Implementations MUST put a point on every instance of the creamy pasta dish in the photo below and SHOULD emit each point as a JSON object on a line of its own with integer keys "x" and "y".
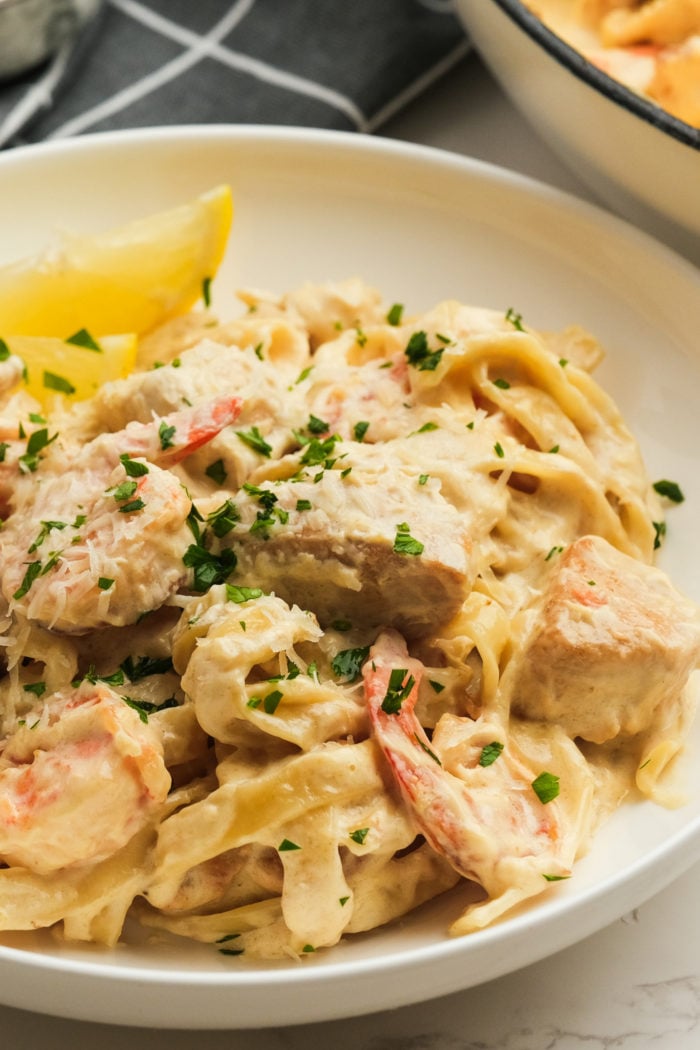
{"x": 651, "y": 46}
{"x": 320, "y": 612}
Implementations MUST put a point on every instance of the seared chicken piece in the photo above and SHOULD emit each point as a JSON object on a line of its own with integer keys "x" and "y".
{"x": 610, "y": 644}
{"x": 359, "y": 541}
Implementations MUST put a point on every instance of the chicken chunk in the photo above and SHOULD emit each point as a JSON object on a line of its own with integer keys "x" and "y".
{"x": 360, "y": 541}
{"x": 610, "y": 645}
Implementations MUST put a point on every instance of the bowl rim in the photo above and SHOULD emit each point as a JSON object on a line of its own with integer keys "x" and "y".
{"x": 575, "y": 62}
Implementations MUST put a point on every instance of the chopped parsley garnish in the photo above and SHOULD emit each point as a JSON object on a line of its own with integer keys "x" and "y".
{"x": 490, "y": 753}
{"x": 422, "y": 744}
{"x": 318, "y": 451}
{"x": 437, "y": 687}
{"x": 125, "y": 490}
{"x": 395, "y": 314}
{"x": 238, "y": 594}
{"x": 145, "y": 666}
{"x": 670, "y": 489}
{"x": 359, "y": 835}
{"x": 498, "y": 449}
{"x": 659, "y": 533}
{"x": 426, "y": 428}
{"x": 52, "y": 381}
{"x": 206, "y": 290}
{"x": 83, "y": 338}
{"x": 37, "y": 688}
{"x": 546, "y": 787}
{"x": 166, "y": 433}
{"x": 423, "y": 479}
{"x": 419, "y": 354}
{"x": 317, "y": 426}
{"x": 223, "y": 518}
{"x": 217, "y": 471}
{"x": 132, "y": 468}
{"x": 404, "y": 543}
{"x": 46, "y": 527}
{"x": 286, "y": 845}
{"x": 552, "y": 551}
{"x": 304, "y": 374}
{"x": 34, "y": 570}
{"x": 515, "y": 319}
{"x": 502, "y": 384}
{"x": 347, "y": 664}
{"x": 303, "y": 504}
{"x": 359, "y": 430}
{"x": 254, "y": 439}
{"x": 398, "y": 689}
{"x": 271, "y": 701}
{"x": 555, "y": 878}
{"x": 209, "y": 569}
{"x": 144, "y": 708}
{"x": 4, "y": 350}
{"x": 36, "y": 443}
{"x": 104, "y": 583}
{"x": 132, "y": 506}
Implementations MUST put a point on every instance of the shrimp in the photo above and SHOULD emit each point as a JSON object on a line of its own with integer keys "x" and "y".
{"x": 487, "y": 821}
{"x": 51, "y": 813}
{"x": 104, "y": 543}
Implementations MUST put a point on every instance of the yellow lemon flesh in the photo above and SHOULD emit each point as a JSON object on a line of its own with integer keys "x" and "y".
{"x": 127, "y": 280}
{"x": 72, "y": 369}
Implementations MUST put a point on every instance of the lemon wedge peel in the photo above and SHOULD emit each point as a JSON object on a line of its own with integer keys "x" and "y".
{"x": 72, "y": 371}
{"x": 127, "y": 280}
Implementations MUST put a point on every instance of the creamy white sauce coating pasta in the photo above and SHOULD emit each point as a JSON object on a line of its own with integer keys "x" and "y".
{"x": 321, "y": 612}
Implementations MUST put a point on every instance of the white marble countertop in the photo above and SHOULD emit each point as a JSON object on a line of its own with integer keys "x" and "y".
{"x": 634, "y": 985}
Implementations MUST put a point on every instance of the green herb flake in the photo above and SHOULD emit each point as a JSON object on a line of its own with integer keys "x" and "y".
{"x": 502, "y": 384}
{"x": 419, "y": 354}
{"x": 342, "y": 901}
{"x": 490, "y": 753}
{"x": 4, "y": 350}
{"x": 132, "y": 467}
{"x": 237, "y": 594}
{"x": 317, "y": 426}
{"x": 555, "y": 878}
{"x": 398, "y": 689}
{"x": 546, "y": 787}
{"x": 552, "y": 551}
{"x": 37, "y": 688}
{"x": 271, "y": 701}
{"x": 395, "y": 314}
{"x": 360, "y": 429}
{"x": 359, "y": 835}
{"x": 206, "y": 290}
{"x": 254, "y": 439}
{"x": 303, "y": 504}
{"x": 209, "y": 569}
{"x": 166, "y": 433}
{"x": 223, "y": 518}
{"x": 404, "y": 543}
{"x": 670, "y": 489}
{"x": 104, "y": 583}
{"x": 286, "y": 846}
{"x": 498, "y": 449}
{"x": 515, "y": 319}
{"x": 347, "y": 664}
{"x": 83, "y": 338}
{"x": 423, "y": 479}
{"x": 437, "y": 687}
{"x": 32, "y": 573}
{"x": 659, "y": 533}
{"x": 424, "y": 747}
{"x": 217, "y": 471}
{"x": 52, "y": 381}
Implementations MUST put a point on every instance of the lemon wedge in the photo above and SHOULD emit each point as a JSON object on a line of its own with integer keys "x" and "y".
{"x": 127, "y": 280}
{"x": 73, "y": 368}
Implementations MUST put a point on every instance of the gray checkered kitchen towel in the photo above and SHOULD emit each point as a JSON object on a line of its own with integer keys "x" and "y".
{"x": 344, "y": 64}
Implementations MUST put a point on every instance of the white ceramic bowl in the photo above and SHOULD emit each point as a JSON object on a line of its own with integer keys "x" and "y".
{"x": 641, "y": 161}
{"x": 421, "y": 225}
